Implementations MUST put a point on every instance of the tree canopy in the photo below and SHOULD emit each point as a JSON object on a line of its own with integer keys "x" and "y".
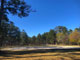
{"x": 15, "y": 7}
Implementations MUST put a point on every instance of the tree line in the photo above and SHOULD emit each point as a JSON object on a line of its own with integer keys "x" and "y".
{"x": 12, "y": 36}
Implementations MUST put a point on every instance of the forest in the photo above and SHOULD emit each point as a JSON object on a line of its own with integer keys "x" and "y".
{"x": 60, "y": 35}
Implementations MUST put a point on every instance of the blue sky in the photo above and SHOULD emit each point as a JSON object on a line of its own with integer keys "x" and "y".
{"x": 50, "y": 13}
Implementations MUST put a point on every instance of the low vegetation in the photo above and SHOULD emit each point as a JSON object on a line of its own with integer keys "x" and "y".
{"x": 41, "y": 55}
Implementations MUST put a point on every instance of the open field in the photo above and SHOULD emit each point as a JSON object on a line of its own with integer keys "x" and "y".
{"x": 41, "y": 54}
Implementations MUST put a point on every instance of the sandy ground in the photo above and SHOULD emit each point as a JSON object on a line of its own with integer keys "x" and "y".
{"x": 42, "y": 47}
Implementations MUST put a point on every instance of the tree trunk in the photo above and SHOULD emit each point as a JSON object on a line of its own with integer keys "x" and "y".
{"x": 1, "y": 18}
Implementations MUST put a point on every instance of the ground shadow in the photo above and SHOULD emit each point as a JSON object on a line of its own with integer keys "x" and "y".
{"x": 10, "y": 53}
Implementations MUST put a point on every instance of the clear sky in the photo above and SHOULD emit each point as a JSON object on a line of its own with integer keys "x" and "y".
{"x": 50, "y": 13}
